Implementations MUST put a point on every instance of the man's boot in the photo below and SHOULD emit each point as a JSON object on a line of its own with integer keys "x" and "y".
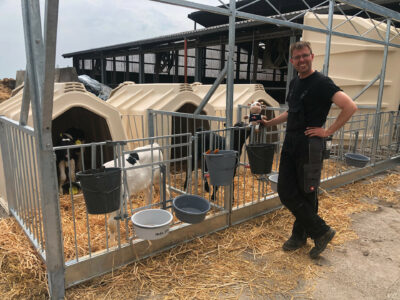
{"x": 294, "y": 243}
{"x": 321, "y": 243}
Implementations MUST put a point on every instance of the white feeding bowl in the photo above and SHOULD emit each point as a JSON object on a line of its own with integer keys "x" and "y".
{"x": 151, "y": 224}
{"x": 273, "y": 179}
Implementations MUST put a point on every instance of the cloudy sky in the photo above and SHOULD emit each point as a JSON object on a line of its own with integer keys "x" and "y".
{"x": 86, "y": 24}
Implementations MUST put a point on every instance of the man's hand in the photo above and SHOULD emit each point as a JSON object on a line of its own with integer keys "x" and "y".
{"x": 316, "y": 131}
{"x": 264, "y": 121}
{"x": 275, "y": 121}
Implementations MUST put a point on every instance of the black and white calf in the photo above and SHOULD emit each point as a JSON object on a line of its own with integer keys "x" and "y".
{"x": 70, "y": 137}
{"x": 212, "y": 141}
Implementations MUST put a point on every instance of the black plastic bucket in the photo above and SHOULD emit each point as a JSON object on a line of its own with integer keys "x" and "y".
{"x": 221, "y": 166}
{"x": 190, "y": 208}
{"x": 261, "y": 157}
{"x": 101, "y": 189}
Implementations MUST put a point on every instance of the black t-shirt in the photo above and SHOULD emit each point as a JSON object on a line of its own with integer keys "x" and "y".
{"x": 309, "y": 101}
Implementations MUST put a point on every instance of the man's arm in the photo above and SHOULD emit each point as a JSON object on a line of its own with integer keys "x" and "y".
{"x": 348, "y": 108}
{"x": 275, "y": 121}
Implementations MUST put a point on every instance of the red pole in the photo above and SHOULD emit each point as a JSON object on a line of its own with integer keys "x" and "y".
{"x": 185, "y": 60}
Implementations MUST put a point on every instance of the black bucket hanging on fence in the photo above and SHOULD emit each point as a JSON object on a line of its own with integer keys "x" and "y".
{"x": 221, "y": 166}
{"x": 101, "y": 189}
{"x": 261, "y": 157}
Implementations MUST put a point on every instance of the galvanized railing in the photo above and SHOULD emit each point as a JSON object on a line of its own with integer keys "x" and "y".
{"x": 90, "y": 249}
{"x": 21, "y": 180}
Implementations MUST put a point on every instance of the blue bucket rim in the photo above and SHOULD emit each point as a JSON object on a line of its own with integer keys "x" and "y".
{"x": 191, "y": 213}
{"x": 98, "y": 171}
{"x": 357, "y": 157}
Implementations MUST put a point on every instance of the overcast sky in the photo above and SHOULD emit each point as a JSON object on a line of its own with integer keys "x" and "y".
{"x": 87, "y": 24}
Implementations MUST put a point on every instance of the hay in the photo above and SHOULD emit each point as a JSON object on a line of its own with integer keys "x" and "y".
{"x": 242, "y": 261}
{"x": 22, "y": 273}
{"x": 5, "y": 90}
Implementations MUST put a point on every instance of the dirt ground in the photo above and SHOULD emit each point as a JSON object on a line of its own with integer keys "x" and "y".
{"x": 368, "y": 267}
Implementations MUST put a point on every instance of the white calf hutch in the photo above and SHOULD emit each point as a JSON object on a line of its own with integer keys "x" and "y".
{"x": 243, "y": 94}
{"x": 354, "y": 64}
{"x": 133, "y": 100}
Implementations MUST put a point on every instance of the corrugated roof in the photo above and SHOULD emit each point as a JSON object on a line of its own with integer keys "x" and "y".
{"x": 175, "y": 37}
{"x": 164, "y": 39}
{"x": 287, "y": 8}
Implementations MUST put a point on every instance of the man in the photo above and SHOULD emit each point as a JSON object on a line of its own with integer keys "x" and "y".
{"x": 310, "y": 98}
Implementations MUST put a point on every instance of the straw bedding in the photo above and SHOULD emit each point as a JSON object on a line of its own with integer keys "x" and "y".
{"x": 5, "y": 90}
{"x": 243, "y": 261}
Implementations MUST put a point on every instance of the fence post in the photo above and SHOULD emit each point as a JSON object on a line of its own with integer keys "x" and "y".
{"x": 40, "y": 58}
{"x": 150, "y": 123}
{"x": 380, "y": 92}
{"x": 228, "y": 194}
{"x": 325, "y": 70}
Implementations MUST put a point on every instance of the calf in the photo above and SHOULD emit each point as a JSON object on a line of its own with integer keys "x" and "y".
{"x": 212, "y": 141}
{"x": 70, "y": 137}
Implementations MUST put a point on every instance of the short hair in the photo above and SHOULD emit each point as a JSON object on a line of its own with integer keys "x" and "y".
{"x": 300, "y": 45}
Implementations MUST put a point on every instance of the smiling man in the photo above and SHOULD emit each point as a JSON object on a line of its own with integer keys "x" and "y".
{"x": 310, "y": 97}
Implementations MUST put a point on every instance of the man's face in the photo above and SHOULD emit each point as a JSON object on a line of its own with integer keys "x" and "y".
{"x": 302, "y": 61}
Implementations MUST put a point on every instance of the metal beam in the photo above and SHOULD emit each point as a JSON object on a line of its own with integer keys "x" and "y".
{"x": 366, "y": 87}
{"x": 34, "y": 57}
{"x": 255, "y": 61}
{"x": 200, "y": 54}
{"x": 237, "y": 63}
{"x": 103, "y": 69}
{"x": 272, "y": 20}
{"x": 211, "y": 91}
{"x": 126, "y": 67}
{"x": 141, "y": 68}
{"x": 383, "y": 70}
{"x": 325, "y": 70}
{"x": 50, "y": 42}
{"x": 26, "y": 98}
{"x": 40, "y": 68}
{"x": 198, "y": 6}
{"x": 291, "y": 70}
{"x": 374, "y": 8}
{"x": 176, "y": 66}
{"x": 380, "y": 92}
{"x": 310, "y": 28}
{"x": 230, "y": 67}
{"x": 230, "y": 76}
